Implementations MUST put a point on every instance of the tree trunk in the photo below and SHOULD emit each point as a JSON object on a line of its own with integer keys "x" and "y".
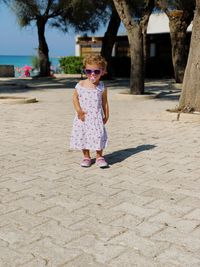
{"x": 144, "y": 24}
{"x": 190, "y": 96}
{"x": 109, "y": 40}
{"x": 137, "y": 61}
{"x": 134, "y": 32}
{"x": 43, "y": 50}
{"x": 145, "y": 46}
{"x": 178, "y": 23}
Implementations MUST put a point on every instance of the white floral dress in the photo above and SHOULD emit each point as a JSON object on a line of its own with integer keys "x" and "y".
{"x": 91, "y": 133}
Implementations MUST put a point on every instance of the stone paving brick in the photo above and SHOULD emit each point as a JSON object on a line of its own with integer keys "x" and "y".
{"x": 100, "y": 213}
{"x": 57, "y": 232}
{"x": 196, "y": 230}
{"x": 178, "y": 256}
{"x": 178, "y": 238}
{"x": 15, "y": 237}
{"x": 193, "y": 215}
{"x": 10, "y": 257}
{"x": 145, "y": 246}
{"x": 126, "y": 221}
{"x": 164, "y": 218}
{"x": 162, "y": 194}
{"x": 37, "y": 262}
{"x": 140, "y": 212}
{"x": 61, "y": 215}
{"x": 174, "y": 209}
{"x": 30, "y": 205}
{"x": 101, "y": 251}
{"x": 83, "y": 261}
{"x": 53, "y": 254}
{"x": 100, "y": 230}
{"x": 133, "y": 258}
{"x": 66, "y": 202}
{"x": 147, "y": 229}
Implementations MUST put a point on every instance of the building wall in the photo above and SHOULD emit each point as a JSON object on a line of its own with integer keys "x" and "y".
{"x": 88, "y": 44}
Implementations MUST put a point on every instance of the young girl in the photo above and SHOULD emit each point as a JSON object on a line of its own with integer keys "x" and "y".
{"x": 92, "y": 112}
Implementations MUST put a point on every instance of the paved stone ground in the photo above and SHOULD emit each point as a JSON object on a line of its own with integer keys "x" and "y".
{"x": 142, "y": 211}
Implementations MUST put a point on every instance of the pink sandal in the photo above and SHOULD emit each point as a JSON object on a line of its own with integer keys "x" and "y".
{"x": 101, "y": 162}
{"x": 86, "y": 162}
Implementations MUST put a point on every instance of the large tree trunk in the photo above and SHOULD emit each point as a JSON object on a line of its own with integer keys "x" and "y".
{"x": 43, "y": 50}
{"x": 134, "y": 32}
{"x": 190, "y": 96}
{"x": 178, "y": 23}
{"x": 144, "y": 24}
{"x": 137, "y": 60}
{"x": 145, "y": 44}
{"x": 109, "y": 40}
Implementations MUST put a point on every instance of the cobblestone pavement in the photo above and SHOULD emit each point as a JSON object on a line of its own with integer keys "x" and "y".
{"x": 142, "y": 211}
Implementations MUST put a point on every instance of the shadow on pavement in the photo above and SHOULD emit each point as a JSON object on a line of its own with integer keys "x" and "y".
{"x": 25, "y": 85}
{"x": 16, "y": 85}
{"x": 171, "y": 95}
{"x": 123, "y": 154}
{"x": 162, "y": 89}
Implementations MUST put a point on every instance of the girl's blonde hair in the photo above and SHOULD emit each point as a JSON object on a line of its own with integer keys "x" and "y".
{"x": 95, "y": 59}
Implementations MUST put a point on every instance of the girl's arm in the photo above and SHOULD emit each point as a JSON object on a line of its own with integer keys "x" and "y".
{"x": 105, "y": 106}
{"x": 77, "y": 107}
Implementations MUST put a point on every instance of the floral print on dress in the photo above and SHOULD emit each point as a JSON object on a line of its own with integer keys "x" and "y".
{"x": 91, "y": 133}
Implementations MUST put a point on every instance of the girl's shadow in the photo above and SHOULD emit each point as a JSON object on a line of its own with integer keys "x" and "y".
{"x": 123, "y": 154}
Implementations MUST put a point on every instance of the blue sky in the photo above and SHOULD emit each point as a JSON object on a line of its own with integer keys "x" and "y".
{"x": 17, "y": 41}
{"x": 23, "y": 41}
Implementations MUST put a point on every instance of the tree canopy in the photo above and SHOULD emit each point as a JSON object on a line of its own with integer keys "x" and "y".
{"x": 82, "y": 15}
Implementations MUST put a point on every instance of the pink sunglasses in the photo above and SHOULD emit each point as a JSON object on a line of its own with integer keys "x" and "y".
{"x": 90, "y": 71}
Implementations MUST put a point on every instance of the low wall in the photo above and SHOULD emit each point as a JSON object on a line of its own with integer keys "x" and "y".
{"x": 7, "y": 71}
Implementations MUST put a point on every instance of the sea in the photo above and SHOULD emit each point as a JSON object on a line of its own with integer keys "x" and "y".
{"x": 20, "y": 61}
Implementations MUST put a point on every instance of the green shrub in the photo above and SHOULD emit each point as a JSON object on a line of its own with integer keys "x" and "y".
{"x": 71, "y": 65}
{"x": 35, "y": 62}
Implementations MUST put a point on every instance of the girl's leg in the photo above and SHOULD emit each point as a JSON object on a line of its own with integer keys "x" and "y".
{"x": 99, "y": 153}
{"x": 86, "y": 153}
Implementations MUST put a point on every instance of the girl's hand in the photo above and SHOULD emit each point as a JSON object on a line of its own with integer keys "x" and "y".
{"x": 81, "y": 115}
{"x": 105, "y": 119}
{"x": 105, "y": 106}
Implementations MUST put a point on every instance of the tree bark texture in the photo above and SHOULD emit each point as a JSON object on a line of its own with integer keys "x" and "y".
{"x": 178, "y": 22}
{"x": 43, "y": 50}
{"x": 137, "y": 61}
{"x": 109, "y": 40}
{"x": 144, "y": 24}
{"x": 190, "y": 96}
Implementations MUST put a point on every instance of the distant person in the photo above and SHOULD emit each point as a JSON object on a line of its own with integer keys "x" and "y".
{"x": 92, "y": 112}
{"x": 27, "y": 73}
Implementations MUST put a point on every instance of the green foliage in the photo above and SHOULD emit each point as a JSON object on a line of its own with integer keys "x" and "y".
{"x": 71, "y": 65}
{"x": 87, "y": 15}
{"x": 82, "y": 15}
{"x": 35, "y": 62}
